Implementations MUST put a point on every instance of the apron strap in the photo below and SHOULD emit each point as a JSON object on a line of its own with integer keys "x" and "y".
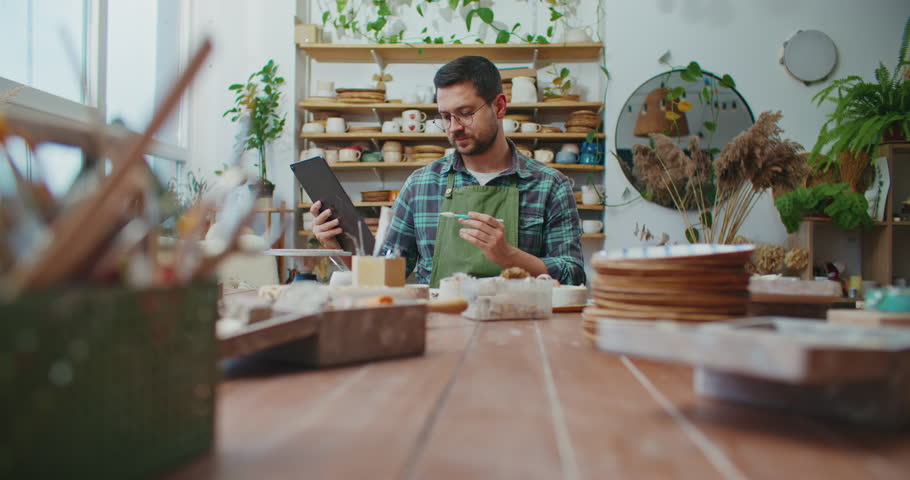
{"x": 451, "y": 184}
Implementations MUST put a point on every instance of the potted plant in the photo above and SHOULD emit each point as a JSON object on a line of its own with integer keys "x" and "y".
{"x": 865, "y": 113}
{"x": 845, "y": 208}
{"x": 560, "y": 85}
{"x": 256, "y": 107}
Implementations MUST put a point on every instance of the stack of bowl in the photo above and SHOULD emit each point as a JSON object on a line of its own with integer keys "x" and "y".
{"x": 581, "y": 121}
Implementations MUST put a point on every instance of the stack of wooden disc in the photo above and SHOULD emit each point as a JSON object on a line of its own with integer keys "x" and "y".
{"x": 427, "y": 153}
{"x": 549, "y": 129}
{"x": 364, "y": 129}
{"x": 688, "y": 283}
{"x": 375, "y": 196}
{"x": 581, "y": 121}
{"x": 360, "y": 95}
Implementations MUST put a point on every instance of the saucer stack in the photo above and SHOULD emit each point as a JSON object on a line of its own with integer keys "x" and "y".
{"x": 360, "y": 95}
{"x": 581, "y": 121}
{"x": 687, "y": 283}
{"x": 427, "y": 153}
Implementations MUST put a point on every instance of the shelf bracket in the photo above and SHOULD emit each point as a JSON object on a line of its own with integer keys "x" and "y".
{"x": 378, "y": 116}
{"x": 378, "y": 59}
{"x": 534, "y": 58}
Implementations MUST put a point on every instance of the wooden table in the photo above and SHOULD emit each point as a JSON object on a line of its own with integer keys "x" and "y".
{"x": 524, "y": 400}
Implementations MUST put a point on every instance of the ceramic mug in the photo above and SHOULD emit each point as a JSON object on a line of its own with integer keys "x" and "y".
{"x": 434, "y": 126}
{"x": 349, "y": 155}
{"x": 566, "y": 157}
{"x": 424, "y": 94}
{"x": 570, "y": 147}
{"x": 509, "y": 125}
{"x": 526, "y": 153}
{"x": 530, "y": 127}
{"x": 543, "y": 155}
{"x": 592, "y": 226}
{"x": 313, "y": 152}
{"x": 391, "y": 146}
{"x": 391, "y": 157}
{"x": 579, "y": 35}
{"x": 413, "y": 115}
{"x": 412, "y": 126}
{"x": 372, "y": 157}
{"x": 589, "y": 158}
{"x": 331, "y": 156}
{"x": 335, "y": 125}
{"x": 591, "y": 195}
{"x": 313, "y": 127}
{"x": 391, "y": 127}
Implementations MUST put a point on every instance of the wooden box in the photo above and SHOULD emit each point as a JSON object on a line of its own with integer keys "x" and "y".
{"x": 378, "y": 271}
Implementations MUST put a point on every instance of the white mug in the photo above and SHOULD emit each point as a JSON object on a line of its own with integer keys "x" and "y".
{"x": 391, "y": 127}
{"x": 313, "y": 152}
{"x": 424, "y": 94}
{"x": 391, "y": 146}
{"x": 509, "y": 125}
{"x": 530, "y": 127}
{"x": 312, "y": 127}
{"x": 591, "y": 195}
{"x": 592, "y": 226}
{"x": 391, "y": 157}
{"x": 579, "y": 35}
{"x": 412, "y": 126}
{"x": 349, "y": 155}
{"x": 413, "y": 115}
{"x": 434, "y": 126}
{"x": 335, "y": 125}
{"x": 331, "y": 156}
{"x": 543, "y": 155}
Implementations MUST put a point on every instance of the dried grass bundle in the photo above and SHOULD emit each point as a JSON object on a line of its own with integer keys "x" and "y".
{"x": 755, "y": 160}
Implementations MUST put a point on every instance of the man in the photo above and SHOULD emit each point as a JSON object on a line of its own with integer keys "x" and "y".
{"x": 521, "y": 212}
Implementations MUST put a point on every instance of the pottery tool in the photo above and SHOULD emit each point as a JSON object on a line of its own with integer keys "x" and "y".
{"x": 463, "y": 216}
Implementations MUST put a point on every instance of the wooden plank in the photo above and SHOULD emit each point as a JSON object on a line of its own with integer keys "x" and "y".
{"x": 367, "y": 108}
{"x": 437, "y": 53}
{"x": 764, "y": 444}
{"x": 435, "y": 137}
{"x": 616, "y": 429}
{"x": 495, "y": 422}
{"x": 357, "y": 422}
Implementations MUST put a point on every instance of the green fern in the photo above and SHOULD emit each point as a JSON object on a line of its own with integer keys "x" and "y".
{"x": 863, "y": 111}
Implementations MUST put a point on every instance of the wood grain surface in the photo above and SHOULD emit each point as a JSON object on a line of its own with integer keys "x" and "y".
{"x": 517, "y": 399}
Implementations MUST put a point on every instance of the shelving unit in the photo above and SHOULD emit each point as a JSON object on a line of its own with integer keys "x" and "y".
{"x": 382, "y": 55}
{"x": 584, "y": 236}
{"x": 882, "y": 257}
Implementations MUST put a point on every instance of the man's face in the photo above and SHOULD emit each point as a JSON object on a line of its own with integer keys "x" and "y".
{"x": 460, "y": 100}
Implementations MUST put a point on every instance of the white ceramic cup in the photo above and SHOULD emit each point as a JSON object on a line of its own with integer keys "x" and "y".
{"x": 325, "y": 85}
{"x": 349, "y": 155}
{"x": 592, "y": 226}
{"x": 424, "y": 94}
{"x": 590, "y": 195}
{"x": 331, "y": 156}
{"x": 434, "y": 126}
{"x": 392, "y": 157}
{"x": 579, "y": 35}
{"x": 413, "y": 115}
{"x": 391, "y": 146}
{"x": 570, "y": 147}
{"x": 412, "y": 126}
{"x": 543, "y": 155}
{"x": 391, "y": 127}
{"x": 530, "y": 127}
{"x": 335, "y": 125}
{"x": 312, "y": 127}
{"x": 313, "y": 152}
{"x": 509, "y": 125}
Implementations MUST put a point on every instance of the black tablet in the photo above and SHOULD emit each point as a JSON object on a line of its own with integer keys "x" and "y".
{"x": 321, "y": 184}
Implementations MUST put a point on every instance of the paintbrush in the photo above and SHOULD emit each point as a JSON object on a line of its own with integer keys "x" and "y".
{"x": 461, "y": 215}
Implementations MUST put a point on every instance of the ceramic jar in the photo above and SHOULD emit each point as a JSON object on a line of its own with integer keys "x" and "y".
{"x": 523, "y": 90}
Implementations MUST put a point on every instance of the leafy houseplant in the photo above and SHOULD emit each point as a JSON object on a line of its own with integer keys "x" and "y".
{"x": 256, "y": 105}
{"x": 847, "y": 209}
{"x": 560, "y": 85}
{"x": 864, "y": 111}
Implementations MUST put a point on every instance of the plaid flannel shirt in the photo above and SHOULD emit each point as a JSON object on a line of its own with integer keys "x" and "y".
{"x": 549, "y": 226}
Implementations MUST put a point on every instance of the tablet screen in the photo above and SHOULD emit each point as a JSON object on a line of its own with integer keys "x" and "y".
{"x": 321, "y": 184}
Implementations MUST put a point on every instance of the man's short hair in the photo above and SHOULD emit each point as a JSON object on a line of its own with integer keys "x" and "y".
{"x": 471, "y": 68}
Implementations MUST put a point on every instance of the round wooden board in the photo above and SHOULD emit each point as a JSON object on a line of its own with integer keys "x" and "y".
{"x": 724, "y": 282}
{"x": 684, "y": 317}
{"x": 358, "y": 100}
{"x": 650, "y": 271}
{"x": 362, "y": 90}
{"x": 672, "y": 299}
{"x": 638, "y": 307}
{"x": 679, "y": 289}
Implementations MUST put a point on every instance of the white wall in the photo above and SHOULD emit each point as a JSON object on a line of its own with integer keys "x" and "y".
{"x": 740, "y": 37}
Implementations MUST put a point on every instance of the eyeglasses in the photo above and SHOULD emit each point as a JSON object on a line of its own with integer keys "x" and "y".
{"x": 465, "y": 119}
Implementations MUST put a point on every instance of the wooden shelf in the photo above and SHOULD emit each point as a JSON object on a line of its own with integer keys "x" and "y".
{"x": 435, "y": 137}
{"x": 427, "y": 53}
{"x": 590, "y": 207}
{"x": 364, "y": 108}
{"x": 901, "y": 224}
{"x": 356, "y": 204}
{"x": 416, "y": 165}
{"x": 828, "y": 220}
{"x": 584, "y": 236}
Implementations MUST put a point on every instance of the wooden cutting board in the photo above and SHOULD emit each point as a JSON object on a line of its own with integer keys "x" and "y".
{"x": 857, "y": 374}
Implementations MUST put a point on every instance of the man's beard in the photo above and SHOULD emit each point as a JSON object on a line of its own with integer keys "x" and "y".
{"x": 481, "y": 143}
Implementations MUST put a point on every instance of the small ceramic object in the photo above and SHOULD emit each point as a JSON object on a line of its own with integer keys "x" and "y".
{"x": 331, "y": 156}
{"x": 530, "y": 127}
{"x": 371, "y": 157}
{"x": 579, "y": 35}
{"x": 325, "y": 85}
{"x": 335, "y": 125}
{"x": 544, "y": 156}
{"x": 434, "y": 126}
{"x": 424, "y": 94}
{"x": 391, "y": 146}
{"x": 412, "y": 126}
{"x": 566, "y": 157}
{"x": 313, "y": 127}
{"x": 410, "y": 98}
{"x": 392, "y": 157}
{"x": 509, "y": 125}
{"x": 349, "y": 155}
{"x": 523, "y": 90}
{"x": 589, "y": 158}
{"x": 592, "y": 226}
{"x": 413, "y": 115}
{"x": 391, "y": 127}
{"x": 591, "y": 194}
{"x": 570, "y": 147}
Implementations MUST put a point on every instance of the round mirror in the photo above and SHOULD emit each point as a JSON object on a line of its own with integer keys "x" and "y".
{"x": 646, "y": 112}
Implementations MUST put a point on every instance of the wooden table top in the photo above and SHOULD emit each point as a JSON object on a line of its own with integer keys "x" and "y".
{"x": 524, "y": 400}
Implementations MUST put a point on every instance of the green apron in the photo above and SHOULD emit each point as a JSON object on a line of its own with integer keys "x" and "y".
{"x": 454, "y": 254}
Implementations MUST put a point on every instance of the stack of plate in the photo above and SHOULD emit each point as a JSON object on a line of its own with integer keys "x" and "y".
{"x": 689, "y": 283}
{"x": 427, "y": 153}
{"x": 364, "y": 129}
{"x": 375, "y": 196}
{"x": 360, "y": 95}
{"x": 580, "y": 121}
